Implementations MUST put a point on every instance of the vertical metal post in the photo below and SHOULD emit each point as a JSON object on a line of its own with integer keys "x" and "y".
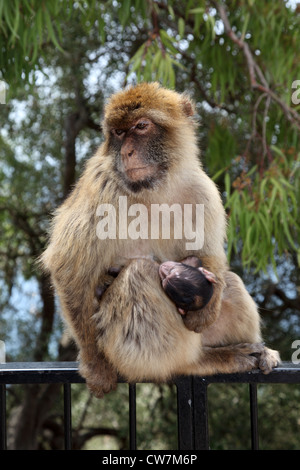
{"x": 67, "y": 416}
{"x": 254, "y": 416}
{"x": 2, "y": 417}
{"x": 132, "y": 416}
{"x": 185, "y": 406}
{"x": 200, "y": 413}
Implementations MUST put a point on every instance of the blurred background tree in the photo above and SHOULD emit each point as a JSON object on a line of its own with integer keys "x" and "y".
{"x": 60, "y": 60}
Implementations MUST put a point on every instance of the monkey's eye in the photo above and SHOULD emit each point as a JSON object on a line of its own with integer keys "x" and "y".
{"x": 141, "y": 125}
{"x": 119, "y": 132}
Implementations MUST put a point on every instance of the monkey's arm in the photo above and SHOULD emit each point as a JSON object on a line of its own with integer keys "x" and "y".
{"x": 74, "y": 268}
{"x": 212, "y": 254}
{"x": 78, "y": 306}
{"x": 200, "y": 319}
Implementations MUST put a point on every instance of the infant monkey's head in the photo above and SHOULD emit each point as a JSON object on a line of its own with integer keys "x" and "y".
{"x": 189, "y": 287}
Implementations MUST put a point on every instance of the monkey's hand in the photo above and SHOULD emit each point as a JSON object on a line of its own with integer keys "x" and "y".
{"x": 100, "y": 376}
{"x": 106, "y": 280}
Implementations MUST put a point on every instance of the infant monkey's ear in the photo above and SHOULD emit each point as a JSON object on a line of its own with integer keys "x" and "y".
{"x": 189, "y": 287}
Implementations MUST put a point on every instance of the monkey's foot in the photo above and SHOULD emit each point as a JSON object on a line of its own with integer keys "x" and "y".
{"x": 264, "y": 358}
{"x": 230, "y": 359}
{"x": 100, "y": 377}
{"x": 268, "y": 359}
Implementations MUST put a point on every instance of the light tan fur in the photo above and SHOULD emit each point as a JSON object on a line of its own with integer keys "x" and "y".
{"x": 78, "y": 261}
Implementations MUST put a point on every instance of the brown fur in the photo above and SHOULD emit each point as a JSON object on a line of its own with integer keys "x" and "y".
{"x": 138, "y": 331}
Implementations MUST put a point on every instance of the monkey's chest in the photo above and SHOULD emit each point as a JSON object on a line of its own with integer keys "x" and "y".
{"x": 159, "y": 250}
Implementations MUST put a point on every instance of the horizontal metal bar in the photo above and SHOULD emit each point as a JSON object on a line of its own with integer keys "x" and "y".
{"x": 39, "y": 372}
{"x": 67, "y": 372}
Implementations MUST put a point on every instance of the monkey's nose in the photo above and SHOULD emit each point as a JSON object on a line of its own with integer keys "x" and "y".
{"x": 130, "y": 153}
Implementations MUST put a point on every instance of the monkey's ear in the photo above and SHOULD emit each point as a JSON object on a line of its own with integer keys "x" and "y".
{"x": 188, "y": 106}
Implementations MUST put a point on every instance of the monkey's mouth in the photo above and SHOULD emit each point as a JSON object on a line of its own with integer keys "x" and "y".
{"x": 139, "y": 173}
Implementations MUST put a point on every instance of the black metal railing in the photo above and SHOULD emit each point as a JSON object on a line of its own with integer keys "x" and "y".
{"x": 192, "y": 398}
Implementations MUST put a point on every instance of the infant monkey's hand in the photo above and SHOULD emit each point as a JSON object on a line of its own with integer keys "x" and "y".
{"x": 189, "y": 287}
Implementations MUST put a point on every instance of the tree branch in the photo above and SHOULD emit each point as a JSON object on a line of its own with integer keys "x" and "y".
{"x": 254, "y": 70}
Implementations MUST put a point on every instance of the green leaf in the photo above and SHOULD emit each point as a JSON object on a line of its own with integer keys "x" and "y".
{"x": 181, "y": 27}
{"x": 195, "y": 11}
{"x": 171, "y": 12}
{"x": 245, "y": 26}
{"x": 17, "y": 20}
{"x": 124, "y": 12}
{"x": 298, "y": 257}
{"x": 227, "y": 184}
{"x": 211, "y": 22}
{"x": 216, "y": 176}
{"x": 51, "y": 31}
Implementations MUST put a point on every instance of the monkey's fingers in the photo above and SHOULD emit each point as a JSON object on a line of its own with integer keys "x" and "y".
{"x": 114, "y": 271}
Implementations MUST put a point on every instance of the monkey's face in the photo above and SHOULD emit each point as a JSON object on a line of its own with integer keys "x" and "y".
{"x": 144, "y": 129}
{"x": 138, "y": 148}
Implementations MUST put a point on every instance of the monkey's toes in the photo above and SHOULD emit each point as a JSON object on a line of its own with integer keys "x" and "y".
{"x": 99, "y": 390}
{"x": 268, "y": 359}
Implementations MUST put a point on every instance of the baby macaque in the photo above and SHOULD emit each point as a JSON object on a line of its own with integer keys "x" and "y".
{"x": 189, "y": 287}
{"x": 186, "y": 283}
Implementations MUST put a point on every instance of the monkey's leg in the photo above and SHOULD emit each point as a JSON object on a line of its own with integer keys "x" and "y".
{"x": 228, "y": 359}
{"x": 238, "y": 322}
{"x": 100, "y": 376}
{"x": 235, "y": 358}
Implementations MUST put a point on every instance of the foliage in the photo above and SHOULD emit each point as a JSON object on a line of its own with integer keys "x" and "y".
{"x": 278, "y": 419}
{"x": 227, "y": 56}
{"x": 264, "y": 210}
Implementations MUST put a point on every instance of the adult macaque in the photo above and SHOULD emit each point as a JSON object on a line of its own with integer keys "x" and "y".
{"x": 150, "y": 157}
